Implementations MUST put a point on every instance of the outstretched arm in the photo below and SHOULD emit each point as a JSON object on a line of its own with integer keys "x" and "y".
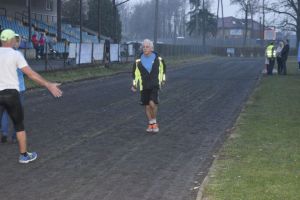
{"x": 52, "y": 87}
{"x": 134, "y": 86}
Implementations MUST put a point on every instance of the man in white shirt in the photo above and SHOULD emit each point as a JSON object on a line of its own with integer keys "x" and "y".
{"x": 9, "y": 89}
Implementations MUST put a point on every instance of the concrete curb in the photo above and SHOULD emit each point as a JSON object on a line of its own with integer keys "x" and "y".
{"x": 201, "y": 189}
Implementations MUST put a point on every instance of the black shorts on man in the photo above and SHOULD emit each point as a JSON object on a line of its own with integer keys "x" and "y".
{"x": 10, "y": 101}
{"x": 148, "y": 95}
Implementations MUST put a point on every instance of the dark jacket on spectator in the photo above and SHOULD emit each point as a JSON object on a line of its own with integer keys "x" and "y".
{"x": 285, "y": 52}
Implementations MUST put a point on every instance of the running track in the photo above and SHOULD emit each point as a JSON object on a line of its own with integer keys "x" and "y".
{"x": 92, "y": 143}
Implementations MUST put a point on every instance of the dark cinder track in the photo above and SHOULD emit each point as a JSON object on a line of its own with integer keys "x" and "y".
{"x": 92, "y": 143}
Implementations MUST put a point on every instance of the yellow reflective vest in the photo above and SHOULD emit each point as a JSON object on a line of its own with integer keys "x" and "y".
{"x": 270, "y": 51}
{"x": 154, "y": 78}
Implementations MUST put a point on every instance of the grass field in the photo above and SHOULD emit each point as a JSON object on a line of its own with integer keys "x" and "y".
{"x": 82, "y": 73}
{"x": 261, "y": 158}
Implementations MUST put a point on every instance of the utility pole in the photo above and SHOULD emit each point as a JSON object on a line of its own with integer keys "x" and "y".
{"x": 263, "y": 26}
{"x": 29, "y": 19}
{"x": 99, "y": 20}
{"x": 218, "y": 8}
{"x": 115, "y": 21}
{"x": 156, "y": 23}
{"x": 203, "y": 24}
{"x": 175, "y": 27}
{"x": 80, "y": 19}
{"x": 246, "y": 23}
{"x": 223, "y": 23}
{"x": 80, "y": 22}
{"x": 220, "y": 4}
{"x": 58, "y": 20}
{"x": 260, "y": 29}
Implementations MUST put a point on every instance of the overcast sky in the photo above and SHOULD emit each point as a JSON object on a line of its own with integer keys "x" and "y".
{"x": 229, "y": 10}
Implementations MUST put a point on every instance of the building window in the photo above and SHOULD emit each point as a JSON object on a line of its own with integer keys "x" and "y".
{"x": 49, "y": 5}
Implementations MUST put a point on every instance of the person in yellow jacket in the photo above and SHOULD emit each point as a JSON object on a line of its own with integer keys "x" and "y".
{"x": 270, "y": 56}
{"x": 149, "y": 74}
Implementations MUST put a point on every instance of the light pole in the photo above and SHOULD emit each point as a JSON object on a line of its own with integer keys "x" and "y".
{"x": 263, "y": 23}
{"x": 260, "y": 29}
{"x": 115, "y": 21}
{"x": 80, "y": 25}
{"x": 220, "y": 4}
{"x": 80, "y": 19}
{"x": 99, "y": 20}
{"x": 203, "y": 24}
{"x": 58, "y": 20}
{"x": 29, "y": 19}
{"x": 155, "y": 23}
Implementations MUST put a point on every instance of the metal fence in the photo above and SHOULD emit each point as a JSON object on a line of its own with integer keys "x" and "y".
{"x": 181, "y": 50}
{"x": 64, "y": 56}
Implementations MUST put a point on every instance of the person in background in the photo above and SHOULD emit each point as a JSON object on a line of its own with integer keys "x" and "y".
{"x": 278, "y": 57}
{"x": 22, "y": 43}
{"x": 149, "y": 71}
{"x": 284, "y": 55}
{"x": 51, "y": 42}
{"x": 42, "y": 42}
{"x": 5, "y": 117}
{"x": 35, "y": 42}
{"x": 11, "y": 60}
{"x": 270, "y": 55}
{"x": 106, "y": 59}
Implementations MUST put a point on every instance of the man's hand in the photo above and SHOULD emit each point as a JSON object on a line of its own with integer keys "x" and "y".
{"x": 133, "y": 88}
{"x": 54, "y": 89}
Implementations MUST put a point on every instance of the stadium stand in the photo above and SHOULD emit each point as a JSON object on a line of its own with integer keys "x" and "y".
{"x": 69, "y": 33}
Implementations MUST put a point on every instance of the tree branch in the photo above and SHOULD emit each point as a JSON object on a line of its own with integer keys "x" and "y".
{"x": 281, "y": 12}
{"x": 293, "y": 5}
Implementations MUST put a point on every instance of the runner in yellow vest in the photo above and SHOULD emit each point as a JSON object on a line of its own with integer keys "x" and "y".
{"x": 271, "y": 56}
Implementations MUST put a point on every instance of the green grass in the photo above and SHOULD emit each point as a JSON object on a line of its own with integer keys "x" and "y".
{"x": 261, "y": 158}
{"x": 82, "y": 73}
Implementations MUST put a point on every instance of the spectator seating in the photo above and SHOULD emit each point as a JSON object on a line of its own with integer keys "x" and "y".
{"x": 18, "y": 27}
{"x": 69, "y": 33}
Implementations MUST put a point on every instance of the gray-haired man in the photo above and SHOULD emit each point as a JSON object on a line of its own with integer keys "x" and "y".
{"x": 149, "y": 73}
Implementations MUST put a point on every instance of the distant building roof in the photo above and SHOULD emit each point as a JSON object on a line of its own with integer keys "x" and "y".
{"x": 235, "y": 23}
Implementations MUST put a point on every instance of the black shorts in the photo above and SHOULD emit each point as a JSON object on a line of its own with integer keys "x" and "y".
{"x": 10, "y": 101}
{"x": 148, "y": 95}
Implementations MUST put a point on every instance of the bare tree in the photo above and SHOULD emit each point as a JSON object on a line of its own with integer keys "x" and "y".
{"x": 290, "y": 15}
{"x": 254, "y": 9}
{"x": 245, "y": 7}
{"x": 249, "y": 7}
